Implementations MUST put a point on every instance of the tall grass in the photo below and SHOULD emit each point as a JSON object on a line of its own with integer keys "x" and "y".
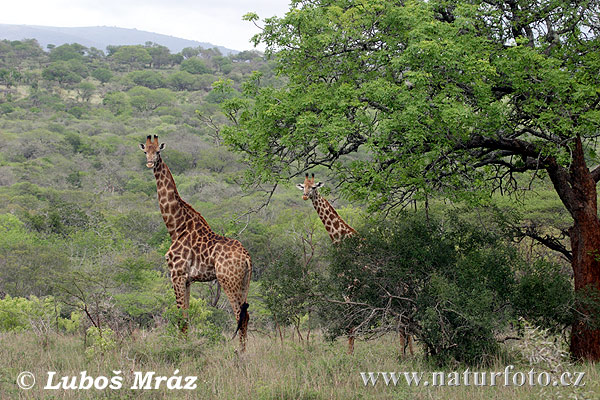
{"x": 268, "y": 370}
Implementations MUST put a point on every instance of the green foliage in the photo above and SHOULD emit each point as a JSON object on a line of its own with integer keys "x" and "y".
{"x": 143, "y": 99}
{"x": 453, "y": 285}
{"x": 146, "y": 78}
{"x": 18, "y": 313}
{"x": 544, "y": 295}
{"x": 182, "y": 80}
{"x": 101, "y": 340}
{"x": 178, "y": 161}
{"x": 287, "y": 287}
{"x": 198, "y": 320}
{"x": 417, "y": 102}
{"x": 132, "y": 56}
{"x": 85, "y": 90}
{"x": 194, "y": 66}
{"x": 62, "y": 72}
{"x": 67, "y": 52}
{"x": 102, "y": 74}
{"x": 72, "y": 324}
{"x": 146, "y": 291}
{"x": 117, "y": 102}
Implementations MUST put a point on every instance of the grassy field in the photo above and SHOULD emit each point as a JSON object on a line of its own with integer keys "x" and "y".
{"x": 268, "y": 370}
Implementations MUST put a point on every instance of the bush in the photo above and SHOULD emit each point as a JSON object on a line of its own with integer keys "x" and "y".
{"x": 19, "y": 313}
{"x": 453, "y": 285}
{"x": 100, "y": 340}
{"x": 199, "y": 314}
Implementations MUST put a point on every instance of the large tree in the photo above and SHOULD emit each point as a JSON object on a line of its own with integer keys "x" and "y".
{"x": 402, "y": 98}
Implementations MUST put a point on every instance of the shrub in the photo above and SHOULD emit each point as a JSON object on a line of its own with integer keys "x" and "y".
{"x": 100, "y": 340}
{"x": 198, "y": 319}
{"x": 19, "y": 313}
{"x": 453, "y": 285}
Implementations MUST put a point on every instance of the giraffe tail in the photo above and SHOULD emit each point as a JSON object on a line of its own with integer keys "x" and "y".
{"x": 242, "y": 318}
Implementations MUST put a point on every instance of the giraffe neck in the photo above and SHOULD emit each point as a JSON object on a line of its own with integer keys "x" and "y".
{"x": 336, "y": 227}
{"x": 174, "y": 210}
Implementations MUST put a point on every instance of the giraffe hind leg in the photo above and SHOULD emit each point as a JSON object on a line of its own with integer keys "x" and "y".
{"x": 236, "y": 290}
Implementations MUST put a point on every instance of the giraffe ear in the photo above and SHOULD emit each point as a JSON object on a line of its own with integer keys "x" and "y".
{"x": 142, "y": 146}
{"x": 318, "y": 184}
{"x": 300, "y": 186}
{"x": 162, "y": 146}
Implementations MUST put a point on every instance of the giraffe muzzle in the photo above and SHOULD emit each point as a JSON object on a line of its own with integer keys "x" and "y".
{"x": 150, "y": 164}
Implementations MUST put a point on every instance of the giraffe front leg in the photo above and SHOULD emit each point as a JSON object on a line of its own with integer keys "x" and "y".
{"x": 181, "y": 286}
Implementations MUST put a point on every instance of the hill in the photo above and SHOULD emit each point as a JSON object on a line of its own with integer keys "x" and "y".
{"x": 99, "y": 37}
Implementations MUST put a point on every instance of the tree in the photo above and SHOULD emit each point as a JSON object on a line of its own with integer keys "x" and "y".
{"x": 189, "y": 52}
{"x": 61, "y": 72}
{"x": 102, "y": 74}
{"x": 160, "y": 54}
{"x": 117, "y": 103}
{"x": 86, "y": 90}
{"x": 9, "y": 77}
{"x": 133, "y": 56}
{"x": 194, "y": 66}
{"x": 459, "y": 97}
{"x": 149, "y": 79}
{"x": 144, "y": 99}
{"x": 181, "y": 80}
{"x": 67, "y": 52}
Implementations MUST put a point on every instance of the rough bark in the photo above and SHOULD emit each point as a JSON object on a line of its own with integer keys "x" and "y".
{"x": 585, "y": 247}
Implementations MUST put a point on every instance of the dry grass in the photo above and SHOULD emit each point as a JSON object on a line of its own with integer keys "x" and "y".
{"x": 269, "y": 370}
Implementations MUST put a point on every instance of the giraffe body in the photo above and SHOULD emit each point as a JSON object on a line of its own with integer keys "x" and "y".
{"x": 197, "y": 254}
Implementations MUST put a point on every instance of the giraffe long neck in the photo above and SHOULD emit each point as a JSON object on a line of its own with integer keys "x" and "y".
{"x": 174, "y": 210}
{"x": 336, "y": 227}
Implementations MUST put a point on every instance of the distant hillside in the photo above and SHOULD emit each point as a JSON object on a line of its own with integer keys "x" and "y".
{"x": 99, "y": 37}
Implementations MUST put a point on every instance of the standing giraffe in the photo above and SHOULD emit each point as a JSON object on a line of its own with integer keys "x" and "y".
{"x": 338, "y": 230}
{"x": 197, "y": 254}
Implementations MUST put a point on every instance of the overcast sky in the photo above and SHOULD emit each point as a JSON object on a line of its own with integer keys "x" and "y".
{"x": 216, "y": 21}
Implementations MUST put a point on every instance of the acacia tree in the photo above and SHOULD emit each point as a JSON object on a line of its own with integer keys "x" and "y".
{"x": 404, "y": 98}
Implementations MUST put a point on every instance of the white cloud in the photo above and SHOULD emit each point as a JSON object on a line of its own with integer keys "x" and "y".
{"x": 218, "y": 22}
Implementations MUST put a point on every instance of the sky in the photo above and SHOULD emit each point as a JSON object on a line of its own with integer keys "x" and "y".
{"x": 218, "y": 22}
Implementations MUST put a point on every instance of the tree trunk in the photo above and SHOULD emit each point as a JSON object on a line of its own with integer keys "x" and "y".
{"x": 585, "y": 244}
{"x": 576, "y": 188}
{"x": 585, "y": 247}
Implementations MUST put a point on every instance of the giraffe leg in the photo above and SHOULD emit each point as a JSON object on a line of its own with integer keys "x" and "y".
{"x": 409, "y": 339}
{"x": 181, "y": 286}
{"x": 236, "y": 296}
{"x": 351, "y": 341}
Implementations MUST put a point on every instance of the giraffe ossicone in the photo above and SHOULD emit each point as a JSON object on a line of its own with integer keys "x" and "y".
{"x": 197, "y": 254}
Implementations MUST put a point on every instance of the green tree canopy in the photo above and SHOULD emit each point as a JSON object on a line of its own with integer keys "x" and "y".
{"x": 67, "y": 52}
{"x": 194, "y": 66}
{"x": 133, "y": 56}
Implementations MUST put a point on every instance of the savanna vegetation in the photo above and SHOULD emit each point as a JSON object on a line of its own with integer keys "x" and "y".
{"x": 451, "y": 136}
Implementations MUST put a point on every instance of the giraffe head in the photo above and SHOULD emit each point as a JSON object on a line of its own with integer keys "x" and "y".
{"x": 152, "y": 150}
{"x": 309, "y": 187}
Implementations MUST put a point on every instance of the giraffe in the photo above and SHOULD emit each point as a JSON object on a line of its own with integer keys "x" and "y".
{"x": 336, "y": 227}
{"x": 338, "y": 230}
{"x": 197, "y": 254}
